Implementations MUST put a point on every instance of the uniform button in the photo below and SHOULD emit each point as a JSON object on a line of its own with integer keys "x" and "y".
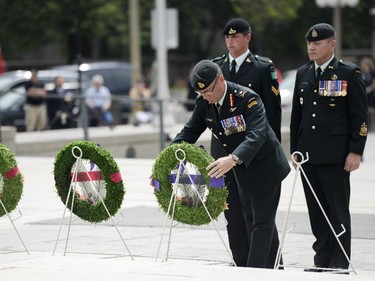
{"x": 220, "y": 133}
{"x": 224, "y": 144}
{"x": 313, "y": 127}
{"x": 314, "y": 103}
{"x": 301, "y": 90}
{"x": 315, "y": 90}
{"x": 313, "y": 115}
{"x": 249, "y": 85}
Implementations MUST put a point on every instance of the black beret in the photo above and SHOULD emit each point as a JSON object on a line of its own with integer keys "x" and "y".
{"x": 320, "y": 31}
{"x": 235, "y": 26}
{"x": 204, "y": 73}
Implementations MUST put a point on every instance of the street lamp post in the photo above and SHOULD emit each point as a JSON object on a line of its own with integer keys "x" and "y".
{"x": 336, "y": 5}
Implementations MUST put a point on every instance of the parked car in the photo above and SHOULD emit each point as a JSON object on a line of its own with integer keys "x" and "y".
{"x": 287, "y": 87}
{"x": 117, "y": 78}
{"x": 13, "y": 93}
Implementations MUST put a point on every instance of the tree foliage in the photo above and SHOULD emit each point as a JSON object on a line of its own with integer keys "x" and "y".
{"x": 99, "y": 29}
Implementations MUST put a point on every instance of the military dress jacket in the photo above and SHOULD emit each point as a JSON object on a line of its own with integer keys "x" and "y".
{"x": 241, "y": 128}
{"x": 258, "y": 74}
{"x": 329, "y": 116}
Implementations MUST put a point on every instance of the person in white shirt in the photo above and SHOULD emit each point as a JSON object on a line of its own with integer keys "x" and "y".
{"x": 98, "y": 100}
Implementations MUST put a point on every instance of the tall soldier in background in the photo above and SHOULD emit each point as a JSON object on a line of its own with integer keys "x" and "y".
{"x": 257, "y": 73}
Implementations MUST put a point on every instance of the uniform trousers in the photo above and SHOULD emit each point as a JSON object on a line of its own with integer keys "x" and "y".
{"x": 331, "y": 183}
{"x": 252, "y": 231}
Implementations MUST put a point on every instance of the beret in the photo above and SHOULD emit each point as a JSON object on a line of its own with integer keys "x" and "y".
{"x": 320, "y": 31}
{"x": 203, "y": 74}
{"x": 235, "y": 26}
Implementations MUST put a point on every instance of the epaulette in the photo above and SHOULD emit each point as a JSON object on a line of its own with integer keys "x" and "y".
{"x": 218, "y": 59}
{"x": 350, "y": 65}
{"x": 263, "y": 59}
{"x": 239, "y": 92}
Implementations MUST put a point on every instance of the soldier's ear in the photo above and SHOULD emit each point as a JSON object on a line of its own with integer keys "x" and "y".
{"x": 333, "y": 43}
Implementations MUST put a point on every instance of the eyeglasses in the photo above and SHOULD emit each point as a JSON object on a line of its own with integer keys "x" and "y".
{"x": 207, "y": 91}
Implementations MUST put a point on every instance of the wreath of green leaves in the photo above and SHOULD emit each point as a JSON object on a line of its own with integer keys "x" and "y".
{"x": 12, "y": 189}
{"x": 102, "y": 158}
{"x": 165, "y": 163}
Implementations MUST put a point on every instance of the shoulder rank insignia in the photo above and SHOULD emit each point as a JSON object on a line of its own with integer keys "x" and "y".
{"x": 252, "y": 103}
{"x": 275, "y": 91}
{"x": 363, "y": 131}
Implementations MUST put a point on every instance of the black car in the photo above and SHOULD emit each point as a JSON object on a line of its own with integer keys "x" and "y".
{"x": 13, "y": 93}
{"x": 117, "y": 78}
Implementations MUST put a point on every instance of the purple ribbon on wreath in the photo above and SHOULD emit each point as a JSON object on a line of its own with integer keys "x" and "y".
{"x": 191, "y": 179}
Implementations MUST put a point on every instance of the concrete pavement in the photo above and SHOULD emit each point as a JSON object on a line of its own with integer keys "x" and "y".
{"x": 96, "y": 252}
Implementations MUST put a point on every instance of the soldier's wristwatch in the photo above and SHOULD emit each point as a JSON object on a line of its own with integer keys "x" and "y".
{"x": 236, "y": 159}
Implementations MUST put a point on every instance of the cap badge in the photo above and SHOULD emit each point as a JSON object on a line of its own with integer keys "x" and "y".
{"x": 201, "y": 85}
{"x": 314, "y": 33}
{"x": 231, "y": 31}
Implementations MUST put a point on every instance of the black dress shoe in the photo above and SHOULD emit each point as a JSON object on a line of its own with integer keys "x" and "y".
{"x": 313, "y": 269}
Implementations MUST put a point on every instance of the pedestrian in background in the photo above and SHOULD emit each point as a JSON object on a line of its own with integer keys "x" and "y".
{"x": 258, "y": 73}
{"x": 35, "y": 108}
{"x": 59, "y": 106}
{"x": 329, "y": 123}
{"x": 98, "y": 100}
{"x": 141, "y": 106}
{"x": 246, "y": 149}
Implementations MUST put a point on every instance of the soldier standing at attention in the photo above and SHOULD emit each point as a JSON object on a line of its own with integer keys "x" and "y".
{"x": 329, "y": 122}
{"x": 257, "y": 73}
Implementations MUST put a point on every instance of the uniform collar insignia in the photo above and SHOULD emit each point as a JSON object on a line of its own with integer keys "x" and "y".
{"x": 232, "y": 109}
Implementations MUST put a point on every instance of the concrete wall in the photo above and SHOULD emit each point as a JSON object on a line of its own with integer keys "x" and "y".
{"x": 124, "y": 141}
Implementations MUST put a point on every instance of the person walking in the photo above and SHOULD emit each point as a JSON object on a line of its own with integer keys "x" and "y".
{"x": 258, "y": 73}
{"x": 329, "y": 124}
{"x": 246, "y": 149}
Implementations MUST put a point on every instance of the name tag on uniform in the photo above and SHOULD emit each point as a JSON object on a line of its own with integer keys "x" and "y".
{"x": 233, "y": 125}
{"x": 333, "y": 88}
